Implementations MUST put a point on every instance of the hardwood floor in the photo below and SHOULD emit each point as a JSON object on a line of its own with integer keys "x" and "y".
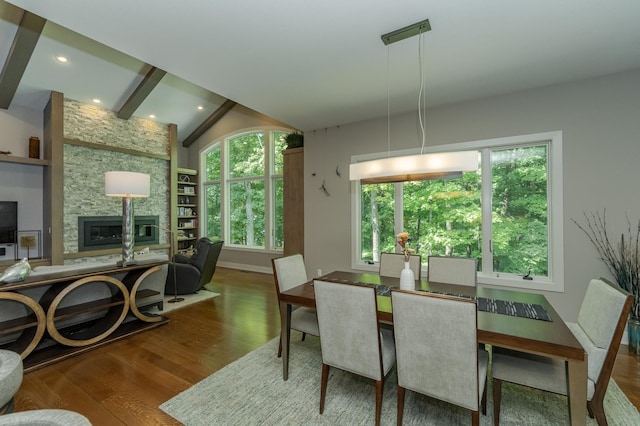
{"x": 124, "y": 382}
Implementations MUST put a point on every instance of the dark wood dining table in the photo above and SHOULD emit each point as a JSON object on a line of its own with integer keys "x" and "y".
{"x": 549, "y": 338}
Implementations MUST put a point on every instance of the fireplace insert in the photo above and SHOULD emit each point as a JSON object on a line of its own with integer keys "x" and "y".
{"x": 104, "y": 232}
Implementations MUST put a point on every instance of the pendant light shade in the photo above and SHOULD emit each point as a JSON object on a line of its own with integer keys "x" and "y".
{"x": 414, "y": 167}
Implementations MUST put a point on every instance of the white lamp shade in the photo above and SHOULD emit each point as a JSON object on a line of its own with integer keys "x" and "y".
{"x": 127, "y": 184}
{"x": 442, "y": 162}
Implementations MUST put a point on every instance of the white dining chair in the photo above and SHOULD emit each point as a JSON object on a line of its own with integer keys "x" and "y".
{"x": 11, "y": 371}
{"x": 437, "y": 350}
{"x": 452, "y": 270}
{"x": 350, "y": 336}
{"x": 392, "y": 264}
{"x": 601, "y": 322}
{"x": 289, "y": 272}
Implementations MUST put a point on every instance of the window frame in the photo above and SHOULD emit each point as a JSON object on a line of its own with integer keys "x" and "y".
{"x": 269, "y": 178}
{"x": 555, "y": 281}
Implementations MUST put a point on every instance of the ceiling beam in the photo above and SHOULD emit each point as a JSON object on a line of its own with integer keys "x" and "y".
{"x": 21, "y": 49}
{"x": 206, "y": 124}
{"x": 143, "y": 90}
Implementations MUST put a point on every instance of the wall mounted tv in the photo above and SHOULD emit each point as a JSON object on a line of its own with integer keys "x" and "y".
{"x": 8, "y": 221}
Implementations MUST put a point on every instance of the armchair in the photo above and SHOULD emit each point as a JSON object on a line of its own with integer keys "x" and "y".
{"x": 193, "y": 272}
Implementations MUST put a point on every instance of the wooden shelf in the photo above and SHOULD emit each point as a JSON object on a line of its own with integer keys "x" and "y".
{"x": 56, "y": 353}
{"x": 187, "y": 186}
{"x": 18, "y": 324}
{"x": 23, "y": 160}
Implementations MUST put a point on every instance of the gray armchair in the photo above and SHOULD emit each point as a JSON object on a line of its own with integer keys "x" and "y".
{"x": 193, "y": 272}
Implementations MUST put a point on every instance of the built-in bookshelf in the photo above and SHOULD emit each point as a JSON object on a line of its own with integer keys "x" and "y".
{"x": 187, "y": 213}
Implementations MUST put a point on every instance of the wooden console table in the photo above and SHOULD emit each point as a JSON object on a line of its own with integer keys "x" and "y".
{"x": 52, "y": 330}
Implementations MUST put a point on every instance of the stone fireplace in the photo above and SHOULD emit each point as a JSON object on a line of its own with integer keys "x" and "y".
{"x": 105, "y": 232}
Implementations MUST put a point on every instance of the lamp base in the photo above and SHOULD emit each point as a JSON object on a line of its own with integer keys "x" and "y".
{"x": 175, "y": 300}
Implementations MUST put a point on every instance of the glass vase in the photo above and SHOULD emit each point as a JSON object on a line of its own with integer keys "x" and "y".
{"x": 407, "y": 279}
{"x": 634, "y": 335}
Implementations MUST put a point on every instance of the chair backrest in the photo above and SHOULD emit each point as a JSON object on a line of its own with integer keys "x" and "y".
{"x": 348, "y": 323}
{"x": 452, "y": 270}
{"x": 602, "y": 317}
{"x": 437, "y": 346}
{"x": 206, "y": 258}
{"x": 392, "y": 264}
{"x": 289, "y": 272}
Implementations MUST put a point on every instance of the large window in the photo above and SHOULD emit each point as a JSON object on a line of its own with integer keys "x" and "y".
{"x": 243, "y": 189}
{"x": 508, "y": 214}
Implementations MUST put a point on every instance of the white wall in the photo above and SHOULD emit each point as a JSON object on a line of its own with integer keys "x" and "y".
{"x": 19, "y": 182}
{"x": 600, "y": 120}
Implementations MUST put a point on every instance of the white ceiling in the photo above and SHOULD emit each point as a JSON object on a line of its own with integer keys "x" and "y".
{"x": 320, "y": 64}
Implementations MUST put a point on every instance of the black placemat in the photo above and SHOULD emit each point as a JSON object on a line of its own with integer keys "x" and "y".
{"x": 502, "y": 307}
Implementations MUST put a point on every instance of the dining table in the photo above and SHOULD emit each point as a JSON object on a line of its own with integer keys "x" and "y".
{"x": 513, "y": 319}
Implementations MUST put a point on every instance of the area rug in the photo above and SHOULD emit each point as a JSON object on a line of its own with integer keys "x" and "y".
{"x": 250, "y": 391}
{"x": 189, "y": 299}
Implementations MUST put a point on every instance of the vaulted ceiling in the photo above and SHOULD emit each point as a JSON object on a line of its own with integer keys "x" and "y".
{"x": 309, "y": 64}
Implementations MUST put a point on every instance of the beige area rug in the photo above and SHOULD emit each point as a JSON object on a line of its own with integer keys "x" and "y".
{"x": 250, "y": 391}
{"x": 189, "y": 299}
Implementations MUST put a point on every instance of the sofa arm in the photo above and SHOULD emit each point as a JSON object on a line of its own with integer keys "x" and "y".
{"x": 181, "y": 258}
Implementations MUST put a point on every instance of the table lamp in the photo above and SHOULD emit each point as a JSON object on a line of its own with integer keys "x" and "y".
{"x": 128, "y": 185}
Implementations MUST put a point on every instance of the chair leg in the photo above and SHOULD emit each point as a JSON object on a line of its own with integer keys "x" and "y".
{"x": 483, "y": 402}
{"x": 475, "y": 418}
{"x": 400, "y": 404}
{"x": 379, "y": 390}
{"x": 596, "y": 409}
{"x": 8, "y": 407}
{"x": 497, "y": 388}
{"x": 323, "y": 385}
{"x": 280, "y": 347}
{"x": 303, "y": 336}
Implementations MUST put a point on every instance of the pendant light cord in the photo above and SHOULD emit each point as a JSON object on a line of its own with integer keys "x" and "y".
{"x": 422, "y": 104}
{"x": 388, "y": 110}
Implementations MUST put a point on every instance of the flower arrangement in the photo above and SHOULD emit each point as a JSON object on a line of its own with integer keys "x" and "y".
{"x": 622, "y": 257}
{"x": 403, "y": 238}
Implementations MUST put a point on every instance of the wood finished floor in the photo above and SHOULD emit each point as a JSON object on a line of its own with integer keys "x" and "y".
{"x": 123, "y": 383}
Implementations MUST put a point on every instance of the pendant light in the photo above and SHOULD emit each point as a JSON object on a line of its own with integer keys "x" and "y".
{"x": 421, "y": 166}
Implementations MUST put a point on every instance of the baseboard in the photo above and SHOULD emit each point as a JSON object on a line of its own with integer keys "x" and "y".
{"x": 243, "y": 267}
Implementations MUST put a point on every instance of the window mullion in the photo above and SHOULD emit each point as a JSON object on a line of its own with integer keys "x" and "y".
{"x": 487, "y": 207}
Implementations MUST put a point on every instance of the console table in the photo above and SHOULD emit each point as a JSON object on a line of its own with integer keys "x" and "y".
{"x": 65, "y": 320}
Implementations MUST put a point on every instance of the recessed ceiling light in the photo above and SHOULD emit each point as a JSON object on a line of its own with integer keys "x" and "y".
{"x": 62, "y": 59}
{"x": 200, "y": 107}
{"x": 152, "y": 116}
{"x": 96, "y": 100}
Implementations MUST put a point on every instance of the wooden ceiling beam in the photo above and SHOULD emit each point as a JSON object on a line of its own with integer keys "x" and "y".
{"x": 22, "y": 47}
{"x": 143, "y": 90}
{"x": 210, "y": 121}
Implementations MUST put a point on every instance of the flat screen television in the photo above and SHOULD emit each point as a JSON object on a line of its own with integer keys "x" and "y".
{"x": 8, "y": 221}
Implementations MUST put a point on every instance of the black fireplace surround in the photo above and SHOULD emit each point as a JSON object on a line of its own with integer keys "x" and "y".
{"x": 105, "y": 232}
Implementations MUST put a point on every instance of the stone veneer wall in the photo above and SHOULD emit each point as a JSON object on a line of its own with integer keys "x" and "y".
{"x": 84, "y": 167}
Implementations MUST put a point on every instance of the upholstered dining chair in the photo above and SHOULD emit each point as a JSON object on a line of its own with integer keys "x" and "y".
{"x": 350, "y": 337}
{"x": 601, "y": 322}
{"x": 45, "y": 417}
{"x": 440, "y": 360}
{"x": 11, "y": 371}
{"x": 452, "y": 270}
{"x": 289, "y": 272}
{"x": 392, "y": 264}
